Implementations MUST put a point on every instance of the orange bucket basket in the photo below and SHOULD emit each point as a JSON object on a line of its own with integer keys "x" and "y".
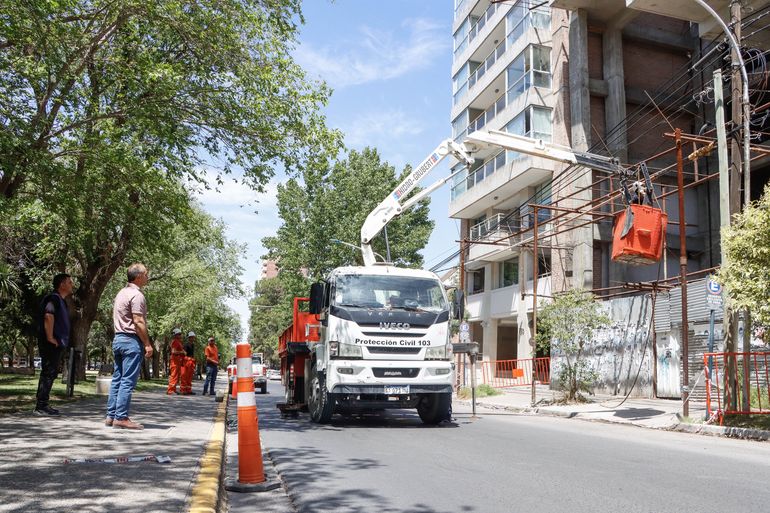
{"x": 642, "y": 244}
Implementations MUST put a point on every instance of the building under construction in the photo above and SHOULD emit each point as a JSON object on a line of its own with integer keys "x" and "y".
{"x": 631, "y": 80}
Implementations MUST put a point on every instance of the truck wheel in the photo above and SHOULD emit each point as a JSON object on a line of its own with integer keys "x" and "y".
{"x": 320, "y": 402}
{"x": 263, "y": 388}
{"x": 433, "y": 408}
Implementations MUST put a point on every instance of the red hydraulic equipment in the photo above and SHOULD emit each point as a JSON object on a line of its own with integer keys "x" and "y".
{"x": 640, "y": 230}
{"x": 294, "y": 349}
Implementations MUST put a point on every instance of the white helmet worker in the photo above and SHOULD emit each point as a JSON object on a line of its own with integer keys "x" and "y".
{"x": 191, "y": 334}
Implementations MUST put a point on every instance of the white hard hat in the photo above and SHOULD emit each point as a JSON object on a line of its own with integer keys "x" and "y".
{"x": 191, "y": 334}
{"x": 176, "y": 331}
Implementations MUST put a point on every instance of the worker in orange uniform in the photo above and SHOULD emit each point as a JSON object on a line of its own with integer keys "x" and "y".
{"x": 212, "y": 366}
{"x": 177, "y": 362}
{"x": 189, "y": 365}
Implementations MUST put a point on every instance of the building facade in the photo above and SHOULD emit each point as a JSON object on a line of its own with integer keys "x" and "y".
{"x": 596, "y": 76}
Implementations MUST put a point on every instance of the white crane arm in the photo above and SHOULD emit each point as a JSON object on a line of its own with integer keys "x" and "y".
{"x": 540, "y": 148}
{"x": 391, "y": 206}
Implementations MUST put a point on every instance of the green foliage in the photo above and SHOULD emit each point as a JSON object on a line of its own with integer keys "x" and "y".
{"x": 564, "y": 327}
{"x": 135, "y": 82}
{"x": 745, "y": 271}
{"x": 482, "y": 390}
{"x": 110, "y": 110}
{"x": 271, "y": 311}
{"x": 332, "y": 202}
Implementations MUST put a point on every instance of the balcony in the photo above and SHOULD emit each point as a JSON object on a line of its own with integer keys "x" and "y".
{"x": 499, "y": 226}
{"x": 478, "y": 90}
{"x": 504, "y": 302}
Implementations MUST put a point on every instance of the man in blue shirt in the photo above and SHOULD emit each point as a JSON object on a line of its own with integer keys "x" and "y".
{"x": 54, "y": 338}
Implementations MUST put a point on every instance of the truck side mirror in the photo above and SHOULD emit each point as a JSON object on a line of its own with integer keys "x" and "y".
{"x": 459, "y": 306}
{"x": 316, "y": 298}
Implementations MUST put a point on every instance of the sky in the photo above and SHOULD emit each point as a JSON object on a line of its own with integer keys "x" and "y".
{"x": 389, "y": 65}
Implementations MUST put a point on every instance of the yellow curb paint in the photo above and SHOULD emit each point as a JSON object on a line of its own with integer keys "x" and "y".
{"x": 205, "y": 493}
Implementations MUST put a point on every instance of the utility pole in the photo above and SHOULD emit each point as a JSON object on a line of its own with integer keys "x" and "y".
{"x": 683, "y": 276}
{"x": 535, "y": 265}
{"x": 730, "y": 320}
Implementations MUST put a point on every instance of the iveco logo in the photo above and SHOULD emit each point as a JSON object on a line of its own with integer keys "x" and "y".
{"x": 392, "y": 373}
{"x": 394, "y": 325}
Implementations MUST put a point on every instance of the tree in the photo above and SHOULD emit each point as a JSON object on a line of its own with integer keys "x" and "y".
{"x": 271, "y": 311}
{"x": 565, "y": 326}
{"x": 141, "y": 76}
{"x": 744, "y": 273}
{"x": 110, "y": 109}
{"x": 332, "y": 202}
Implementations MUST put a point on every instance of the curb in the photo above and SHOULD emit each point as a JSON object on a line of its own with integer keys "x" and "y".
{"x": 700, "y": 429}
{"x": 207, "y": 494}
{"x": 723, "y": 431}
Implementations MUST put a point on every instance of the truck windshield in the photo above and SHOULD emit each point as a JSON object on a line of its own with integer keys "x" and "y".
{"x": 390, "y": 292}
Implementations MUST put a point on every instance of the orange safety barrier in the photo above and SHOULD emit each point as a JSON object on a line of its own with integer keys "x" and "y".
{"x": 515, "y": 373}
{"x": 250, "y": 467}
{"x": 749, "y": 373}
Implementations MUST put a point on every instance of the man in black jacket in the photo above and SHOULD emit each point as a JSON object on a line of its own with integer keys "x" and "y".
{"x": 53, "y": 339}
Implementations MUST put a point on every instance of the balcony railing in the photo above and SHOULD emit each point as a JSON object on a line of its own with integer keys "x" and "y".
{"x": 489, "y": 60}
{"x": 488, "y": 115}
{"x": 481, "y": 22}
{"x": 497, "y": 225}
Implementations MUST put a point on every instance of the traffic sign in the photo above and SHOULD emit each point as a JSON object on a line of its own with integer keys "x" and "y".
{"x": 465, "y": 336}
{"x": 464, "y": 327}
{"x": 714, "y": 294}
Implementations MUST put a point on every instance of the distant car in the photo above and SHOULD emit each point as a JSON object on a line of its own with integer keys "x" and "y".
{"x": 273, "y": 374}
{"x": 258, "y": 370}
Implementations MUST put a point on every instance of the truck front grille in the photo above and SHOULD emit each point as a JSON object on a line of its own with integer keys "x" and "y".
{"x": 393, "y": 350}
{"x": 390, "y": 372}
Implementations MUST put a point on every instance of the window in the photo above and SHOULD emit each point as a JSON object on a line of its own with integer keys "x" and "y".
{"x": 532, "y": 67}
{"x": 508, "y": 273}
{"x": 461, "y": 37}
{"x": 477, "y": 281}
{"x": 361, "y": 291}
{"x": 535, "y": 122}
{"x": 543, "y": 265}
{"x": 460, "y": 124}
{"x": 543, "y": 197}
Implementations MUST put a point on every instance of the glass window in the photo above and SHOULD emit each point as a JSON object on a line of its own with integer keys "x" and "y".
{"x": 460, "y": 124}
{"x": 543, "y": 265}
{"x": 379, "y": 291}
{"x": 542, "y": 127}
{"x": 477, "y": 281}
{"x": 508, "y": 273}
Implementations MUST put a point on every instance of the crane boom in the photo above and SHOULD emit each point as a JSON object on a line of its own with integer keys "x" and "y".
{"x": 391, "y": 206}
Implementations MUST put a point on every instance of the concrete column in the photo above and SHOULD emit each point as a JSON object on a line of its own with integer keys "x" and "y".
{"x": 559, "y": 100}
{"x": 490, "y": 338}
{"x": 580, "y": 131}
{"x": 524, "y": 336}
{"x": 615, "y": 102}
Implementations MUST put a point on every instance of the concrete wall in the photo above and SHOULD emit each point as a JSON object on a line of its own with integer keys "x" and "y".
{"x": 622, "y": 351}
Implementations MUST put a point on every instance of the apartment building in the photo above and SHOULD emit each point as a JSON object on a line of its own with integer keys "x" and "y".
{"x": 581, "y": 74}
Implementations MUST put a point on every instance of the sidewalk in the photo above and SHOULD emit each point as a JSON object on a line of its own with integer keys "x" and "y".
{"x": 36, "y": 478}
{"x": 649, "y": 413}
{"x": 641, "y": 412}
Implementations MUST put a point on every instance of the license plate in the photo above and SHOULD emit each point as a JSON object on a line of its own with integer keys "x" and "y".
{"x": 396, "y": 390}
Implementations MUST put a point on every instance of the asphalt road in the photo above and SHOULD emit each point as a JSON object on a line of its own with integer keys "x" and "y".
{"x": 391, "y": 462}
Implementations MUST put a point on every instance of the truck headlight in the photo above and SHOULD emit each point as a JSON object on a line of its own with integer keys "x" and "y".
{"x": 343, "y": 350}
{"x": 436, "y": 353}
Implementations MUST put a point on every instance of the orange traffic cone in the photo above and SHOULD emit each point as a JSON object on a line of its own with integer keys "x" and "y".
{"x": 250, "y": 468}
{"x": 234, "y": 389}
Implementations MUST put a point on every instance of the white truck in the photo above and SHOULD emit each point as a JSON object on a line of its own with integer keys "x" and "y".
{"x": 258, "y": 371}
{"x": 383, "y": 331}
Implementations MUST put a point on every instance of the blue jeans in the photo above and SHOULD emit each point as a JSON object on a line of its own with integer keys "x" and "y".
{"x": 211, "y": 378}
{"x": 127, "y": 353}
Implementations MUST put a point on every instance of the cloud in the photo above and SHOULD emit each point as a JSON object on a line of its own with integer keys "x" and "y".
{"x": 377, "y": 55}
{"x": 375, "y": 128}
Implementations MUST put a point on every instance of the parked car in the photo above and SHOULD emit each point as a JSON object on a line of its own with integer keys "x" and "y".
{"x": 273, "y": 374}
